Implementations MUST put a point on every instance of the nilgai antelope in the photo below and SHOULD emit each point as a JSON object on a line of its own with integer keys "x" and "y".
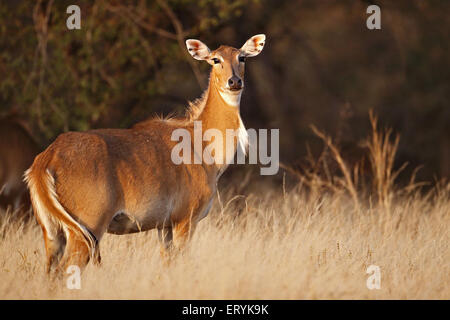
{"x": 124, "y": 180}
{"x": 17, "y": 152}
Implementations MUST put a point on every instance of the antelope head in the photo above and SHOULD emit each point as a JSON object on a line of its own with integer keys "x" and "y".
{"x": 228, "y": 63}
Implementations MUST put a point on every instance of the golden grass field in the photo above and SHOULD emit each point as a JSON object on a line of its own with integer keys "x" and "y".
{"x": 279, "y": 247}
{"x": 276, "y": 243}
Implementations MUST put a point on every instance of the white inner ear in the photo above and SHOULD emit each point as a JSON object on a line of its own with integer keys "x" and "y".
{"x": 197, "y": 49}
{"x": 254, "y": 45}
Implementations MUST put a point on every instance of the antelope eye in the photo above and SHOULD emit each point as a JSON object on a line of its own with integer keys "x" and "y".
{"x": 216, "y": 60}
{"x": 241, "y": 59}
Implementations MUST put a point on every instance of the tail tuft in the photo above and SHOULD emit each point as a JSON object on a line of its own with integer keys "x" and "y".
{"x": 49, "y": 211}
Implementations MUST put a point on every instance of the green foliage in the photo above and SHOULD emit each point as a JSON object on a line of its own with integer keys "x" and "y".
{"x": 107, "y": 73}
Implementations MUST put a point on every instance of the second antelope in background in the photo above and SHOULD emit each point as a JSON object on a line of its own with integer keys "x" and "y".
{"x": 17, "y": 152}
{"x": 124, "y": 180}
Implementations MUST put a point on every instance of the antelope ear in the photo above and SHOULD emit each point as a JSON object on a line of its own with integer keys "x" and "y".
{"x": 254, "y": 45}
{"x": 197, "y": 49}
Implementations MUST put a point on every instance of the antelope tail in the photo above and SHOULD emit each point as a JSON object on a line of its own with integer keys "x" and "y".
{"x": 49, "y": 211}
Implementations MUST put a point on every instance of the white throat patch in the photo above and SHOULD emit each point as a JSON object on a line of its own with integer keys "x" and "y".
{"x": 243, "y": 137}
{"x": 230, "y": 98}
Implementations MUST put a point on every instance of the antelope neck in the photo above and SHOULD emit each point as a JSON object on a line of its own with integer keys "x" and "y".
{"x": 218, "y": 113}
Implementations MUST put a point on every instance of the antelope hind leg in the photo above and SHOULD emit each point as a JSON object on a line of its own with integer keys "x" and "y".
{"x": 183, "y": 231}
{"x": 54, "y": 248}
{"x": 76, "y": 252}
{"x": 165, "y": 236}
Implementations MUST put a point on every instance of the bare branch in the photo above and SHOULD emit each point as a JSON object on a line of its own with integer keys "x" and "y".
{"x": 41, "y": 19}
{"x": 137, "y": 19}
{"x": 180, "y": 38}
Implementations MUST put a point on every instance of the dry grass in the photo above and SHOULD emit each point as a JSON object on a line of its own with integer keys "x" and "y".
{"x": 314, "y": 241}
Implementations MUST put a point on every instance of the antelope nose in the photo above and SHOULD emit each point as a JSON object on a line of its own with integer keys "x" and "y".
{"x": 235, "y": 83}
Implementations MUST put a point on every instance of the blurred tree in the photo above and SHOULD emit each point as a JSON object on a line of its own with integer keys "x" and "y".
{"x": 321, "y": 66}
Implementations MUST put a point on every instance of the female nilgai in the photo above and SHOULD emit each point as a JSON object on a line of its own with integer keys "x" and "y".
{"x": 124, "y": 180}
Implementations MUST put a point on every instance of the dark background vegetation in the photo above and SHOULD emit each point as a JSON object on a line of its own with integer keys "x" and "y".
{"x": 321, "y": 66}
